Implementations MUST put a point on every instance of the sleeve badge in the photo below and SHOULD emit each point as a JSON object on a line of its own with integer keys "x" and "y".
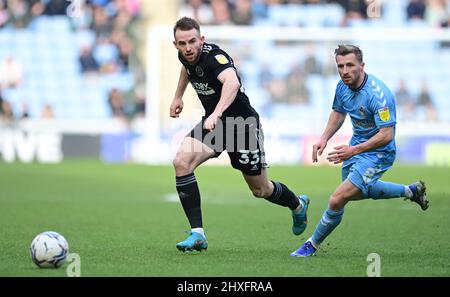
{"x": 221, "y": 59}
{"x": 384, "y": 114}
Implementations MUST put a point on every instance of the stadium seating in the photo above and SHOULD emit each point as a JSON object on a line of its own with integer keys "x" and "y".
{"x": 48, "y": 51}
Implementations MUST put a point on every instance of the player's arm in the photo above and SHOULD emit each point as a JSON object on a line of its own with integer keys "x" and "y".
{"x": 335, "y": 122}
{"x": 177, "y": 104}
{"x": 230, "y": 88}
{"x": 344, "y": 152}
{"x": 382, "y": 138}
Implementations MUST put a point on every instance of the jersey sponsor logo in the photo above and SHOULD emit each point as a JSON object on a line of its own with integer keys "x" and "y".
{"x": 384, "y": 114}
{"x": 365, "y": 123}
{"x": 199, "y": 71}
{"x": 203, "y": 88}
{"x": 221, "y": 59}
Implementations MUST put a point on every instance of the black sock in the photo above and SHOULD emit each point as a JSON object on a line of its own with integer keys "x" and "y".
{"x": 189, "y": 194}
{"x": 281, "y": 195}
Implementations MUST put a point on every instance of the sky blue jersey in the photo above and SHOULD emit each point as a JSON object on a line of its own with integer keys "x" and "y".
{"x": 370, "y": 107}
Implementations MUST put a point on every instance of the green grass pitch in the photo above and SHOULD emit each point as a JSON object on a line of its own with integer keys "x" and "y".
{"x": 124, "y": 220}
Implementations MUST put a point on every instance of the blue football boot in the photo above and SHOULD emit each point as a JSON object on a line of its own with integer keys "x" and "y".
{"x": 195, "y": 241}
{"x": 306, "y": 250}
{"x": 419, "y": 194}
{"x": 300, "y": 221}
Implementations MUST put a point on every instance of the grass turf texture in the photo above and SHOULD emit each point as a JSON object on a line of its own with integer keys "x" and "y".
{"x": 124, "y": 220}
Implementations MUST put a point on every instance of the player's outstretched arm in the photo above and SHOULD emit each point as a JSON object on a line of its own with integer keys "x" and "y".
{"x": 177, "y": 104}
{"x": 335, "y": 122}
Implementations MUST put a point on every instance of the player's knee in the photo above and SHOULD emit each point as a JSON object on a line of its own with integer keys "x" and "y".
{"x": 336, "y": 202}
{"x": 181, "y": 164}
{"x": 259, "y": 192}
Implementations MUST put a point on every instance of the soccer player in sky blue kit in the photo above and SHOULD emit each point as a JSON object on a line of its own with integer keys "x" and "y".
{"x": 371, "y": 151}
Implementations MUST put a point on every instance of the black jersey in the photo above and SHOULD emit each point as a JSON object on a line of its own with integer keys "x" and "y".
{"x": 203, "y": 77}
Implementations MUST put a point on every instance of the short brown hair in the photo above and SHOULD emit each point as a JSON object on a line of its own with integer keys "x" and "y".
{"x": 186, "y": 24}
{"x": 346, "y": 49}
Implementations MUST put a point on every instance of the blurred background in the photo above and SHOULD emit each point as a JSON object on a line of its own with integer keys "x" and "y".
{"x": 95, "y": 78}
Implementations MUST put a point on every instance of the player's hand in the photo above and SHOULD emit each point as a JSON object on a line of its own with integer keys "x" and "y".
{"x": 340, "y": 154}
{"x": 211, "y": 121}
{"x": 318, "y": 149}
{"x": 176, "y": 108}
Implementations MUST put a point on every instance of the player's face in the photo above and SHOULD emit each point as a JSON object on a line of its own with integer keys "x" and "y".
{"x": 350, "y": 70}
{"x": 189, "y": 44}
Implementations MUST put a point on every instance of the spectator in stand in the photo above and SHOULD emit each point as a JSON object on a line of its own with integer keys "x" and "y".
{"x": 424, "y": 101}
{"x": 221, "y": 12}
{"x": 4, "y": 13}
{"x": 274, "y": 2}
{"x": 242, "y": 12}
{"x": 125, "y": 47}
{"x": 47, "y": 112}
{"x": 311, "y": 64}
{"x": 106, "y": 54}
{"x": 354, "y": 9}
{"x": 436, "y": 12}
{"x": 6, "y": 111}
{"x": 87, "y": 61}
{"x": 405, "y": 101}
{"x": 101, "y": 24}
{"x": 11, "y": 73}
{"x": 198, "y": 10}
{"x": 56, "y": 7}
{"x": 19, "y": 12}
{"x": 415, "y": 10}
{"x": 116, "y": 103}
{"x": 297, "y": 91}
{"x": 140, "y": 105}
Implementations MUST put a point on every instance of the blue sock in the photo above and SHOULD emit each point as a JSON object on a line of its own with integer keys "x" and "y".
{"x": 385, "y": 190}
{"x": 330, "y": 219}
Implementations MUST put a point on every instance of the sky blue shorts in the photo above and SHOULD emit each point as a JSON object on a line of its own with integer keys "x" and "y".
{"x": 365, "y": 169}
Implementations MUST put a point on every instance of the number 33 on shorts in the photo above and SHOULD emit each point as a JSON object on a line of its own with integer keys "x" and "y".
{"x": 247, "y": 156}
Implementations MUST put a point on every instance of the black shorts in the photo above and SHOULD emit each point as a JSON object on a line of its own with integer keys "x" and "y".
{"x": 242, "y": 139}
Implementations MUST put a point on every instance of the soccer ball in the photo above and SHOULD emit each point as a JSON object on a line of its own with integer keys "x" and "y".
{"x": 49, "y": 249}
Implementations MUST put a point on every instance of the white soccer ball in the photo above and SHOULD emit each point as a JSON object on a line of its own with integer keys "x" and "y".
{"x": 49, "y": 249}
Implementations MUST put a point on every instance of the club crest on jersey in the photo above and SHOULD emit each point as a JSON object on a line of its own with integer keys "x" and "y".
{"x": 362, "y": 112}
{"x": 199, "y": 71}
{"x": 221, "y": 59}
{"x": 384, "y": 114}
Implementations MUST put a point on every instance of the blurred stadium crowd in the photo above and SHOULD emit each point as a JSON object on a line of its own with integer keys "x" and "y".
{"x": 73, "y": 59}
{"x": 80, "y": 58}
{"x": 255, "y": 12}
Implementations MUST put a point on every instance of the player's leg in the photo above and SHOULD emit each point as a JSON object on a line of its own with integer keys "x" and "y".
{"x": 190, "y": 155}
{"x": 278, "y": 193}
{"x": 331, "y": 218}
{"x": 248, "y": 156}
{"x": 378, "y": 189}
{"x": 272, "y": 191}
{"x": 415, "y": 192}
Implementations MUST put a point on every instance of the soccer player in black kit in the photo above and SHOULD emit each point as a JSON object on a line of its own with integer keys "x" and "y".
{"x": 212, "y": 74}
